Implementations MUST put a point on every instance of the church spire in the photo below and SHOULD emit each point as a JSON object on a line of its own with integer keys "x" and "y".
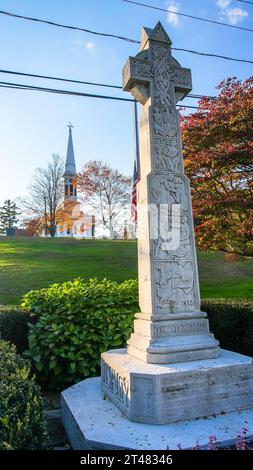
{"x": 70, "y": 192}
{"x": 70, "y": 165}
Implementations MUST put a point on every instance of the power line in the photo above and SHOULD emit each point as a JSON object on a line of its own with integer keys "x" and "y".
{"x": 199, "y": 18}
{"x": 123, "y": 37}
{"x": 70, "y": 80}
{"x": 20, "y": 86}
{"x": 64, "y": 92}
{"x": 207, "y": 54}
{"x": 60, "y": 25}
{"x": 245, "y": 1}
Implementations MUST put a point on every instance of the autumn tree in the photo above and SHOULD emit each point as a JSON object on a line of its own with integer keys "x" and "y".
{"x": 46, "y": 193}
{"x": 218, "y": 152}
{"x": 8, "y": 216}
{"x": 106, "y": 190}
{"x": 33, "y": 226}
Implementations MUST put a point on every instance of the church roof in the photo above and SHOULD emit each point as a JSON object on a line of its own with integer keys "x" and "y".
{"x": 70, "y": 165}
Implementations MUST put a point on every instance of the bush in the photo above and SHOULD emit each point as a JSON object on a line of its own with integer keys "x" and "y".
{"x": 14, "y": 326}
{"x": 21, "y": 420}
{"x": 231, "y": 321}
{"x": 76, "y": 322}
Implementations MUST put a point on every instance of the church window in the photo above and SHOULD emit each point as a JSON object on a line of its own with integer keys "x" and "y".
{"x": 71, "y": 190}
{"x": 66, "y": 189}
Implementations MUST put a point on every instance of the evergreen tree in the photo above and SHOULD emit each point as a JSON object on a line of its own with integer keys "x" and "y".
{"x": 8, "y": 215}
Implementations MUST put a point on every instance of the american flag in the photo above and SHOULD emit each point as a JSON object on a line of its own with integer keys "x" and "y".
{"x": 136, "y": 178}
{"x": 136, "y": 173}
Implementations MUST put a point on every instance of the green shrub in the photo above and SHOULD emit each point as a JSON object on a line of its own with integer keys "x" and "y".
{"x": 14, "y": 326}
{"x": 231, "y": 321}
{"x": 76, "y": 322}
{"x": 21, "y": 420}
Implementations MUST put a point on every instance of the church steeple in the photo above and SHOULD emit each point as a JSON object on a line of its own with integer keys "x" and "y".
{"x": 70, "y": 166}
{"x": 70, "y": 170}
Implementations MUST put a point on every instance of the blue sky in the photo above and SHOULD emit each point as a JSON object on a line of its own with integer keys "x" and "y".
{"x": 33, "y": 125}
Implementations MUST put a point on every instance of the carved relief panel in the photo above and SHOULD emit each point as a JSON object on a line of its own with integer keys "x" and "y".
{"x": 174, "y": 285}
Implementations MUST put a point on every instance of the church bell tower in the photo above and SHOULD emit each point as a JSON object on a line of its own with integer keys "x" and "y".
{"x": 70, "y": 183}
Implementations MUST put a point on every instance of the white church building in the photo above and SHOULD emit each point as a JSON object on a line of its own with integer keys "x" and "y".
{"x": 72, "y": 222}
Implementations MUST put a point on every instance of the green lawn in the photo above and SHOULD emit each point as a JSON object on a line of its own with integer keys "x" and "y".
{"x": 32, "y": 263}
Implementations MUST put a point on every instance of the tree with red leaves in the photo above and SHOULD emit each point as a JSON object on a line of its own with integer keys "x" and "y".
{"x": 218, "y": 152}
{"x": 34, "y": 226}
{"x": 106, "y": 190}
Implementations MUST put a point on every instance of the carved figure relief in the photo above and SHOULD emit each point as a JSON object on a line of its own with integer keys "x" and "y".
{"x": 163, "y": 247}
{"x": 169, "y": 189}
{"x": 176, "y": 187}
{"x": 165, "y": 99}
{"x": 165, "y": 121}
{"x": 174, "y": 284}
{"x": 166, "y": 156}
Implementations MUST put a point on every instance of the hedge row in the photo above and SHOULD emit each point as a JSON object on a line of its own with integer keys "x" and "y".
{"x": 21, "y": 421}
{"x": 231, "y": 321}
{"x": 14, "y": 326}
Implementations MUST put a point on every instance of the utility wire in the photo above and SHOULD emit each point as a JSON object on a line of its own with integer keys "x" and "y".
{"x": 244, "y": 1}
{"x": 20, "y": 86}
{"x": 199, "y": 18}
{"x": 123, "y": 38}
{"x": 208, "y": 54}
{"x": 70, "y": 80}
{"x": 64, "y": 92}
{"x": 48, "y": 77}
{"x": 52, "y": 23}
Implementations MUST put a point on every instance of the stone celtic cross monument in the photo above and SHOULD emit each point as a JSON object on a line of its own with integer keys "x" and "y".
{"x": 172, "y": 369}
{"x": 172, "y": 360}
{"x": 170, "y": 327}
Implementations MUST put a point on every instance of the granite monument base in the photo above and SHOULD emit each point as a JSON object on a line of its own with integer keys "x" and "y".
{"x": 165, "y": 339}
{"x": 93, "y": 422}
{"x": 167, "y": 393}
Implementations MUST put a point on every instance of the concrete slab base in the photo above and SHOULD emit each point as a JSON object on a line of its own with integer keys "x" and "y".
{"x": 93, "y": 422}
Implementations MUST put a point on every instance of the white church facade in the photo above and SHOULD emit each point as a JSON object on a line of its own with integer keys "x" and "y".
{"x": 72, "y": 221}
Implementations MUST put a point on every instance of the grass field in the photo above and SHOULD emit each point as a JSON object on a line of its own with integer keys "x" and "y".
{"x": 32, "y": 263}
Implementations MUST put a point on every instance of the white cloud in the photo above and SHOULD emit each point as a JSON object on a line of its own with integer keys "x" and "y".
{"x": 173, "y": 8}
{"x": 231, "y": 14}
{"x": 90, "y": 46}
{"x": 223, "y": 3}
{"x": 236, "y": 15}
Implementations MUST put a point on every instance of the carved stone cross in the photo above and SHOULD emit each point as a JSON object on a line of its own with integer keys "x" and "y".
{"x": 170, "y": 327}
{"x": 173, "y": 369}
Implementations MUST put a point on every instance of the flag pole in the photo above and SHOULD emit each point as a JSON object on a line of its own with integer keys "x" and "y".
{"x": 137, "y": 150}
{"x": 136, "y": 138}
